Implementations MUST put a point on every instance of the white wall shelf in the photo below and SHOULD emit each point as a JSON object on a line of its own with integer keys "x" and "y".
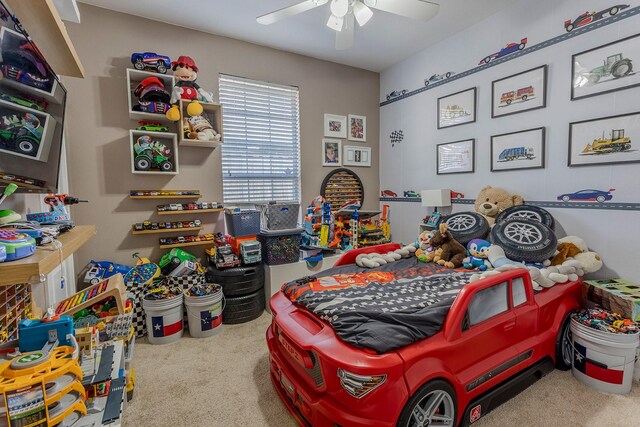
{"x": 169, "y": 139}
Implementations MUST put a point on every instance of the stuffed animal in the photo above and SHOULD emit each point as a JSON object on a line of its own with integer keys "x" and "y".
{"x": 201, "y": 129}
{"x": 491, "y": 201}
{"x": 574, "y": 247}
{"x": 373, "y": 260}
{"x": 185, "y": 72}
{"x": 452, "y": 252}
{"x": 426, "y": 252}
{"x": 477, "y": 255}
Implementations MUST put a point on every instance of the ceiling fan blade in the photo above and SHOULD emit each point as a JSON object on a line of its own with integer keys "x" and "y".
{"x": 421, "y": 10}
{"x": 286, "y": 12}
{"x": 344, "y": 38}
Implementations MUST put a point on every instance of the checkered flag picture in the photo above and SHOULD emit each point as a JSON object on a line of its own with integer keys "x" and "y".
{"x": 396, "y": 137}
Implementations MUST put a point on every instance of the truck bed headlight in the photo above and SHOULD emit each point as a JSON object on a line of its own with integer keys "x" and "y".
{"x": 359, "y": 385}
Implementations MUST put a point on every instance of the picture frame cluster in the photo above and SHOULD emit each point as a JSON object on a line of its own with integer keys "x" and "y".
{"x": 353, "y": 128}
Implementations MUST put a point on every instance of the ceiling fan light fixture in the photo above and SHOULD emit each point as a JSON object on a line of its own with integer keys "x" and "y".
{"x": 335, "y": 22}
{"x": 371, "y": 3}
{"x": 362, "y": 13}
{"x": 340, "y": 8}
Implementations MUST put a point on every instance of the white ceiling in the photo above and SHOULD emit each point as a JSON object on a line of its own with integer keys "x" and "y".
{"x": 385, "y": 40}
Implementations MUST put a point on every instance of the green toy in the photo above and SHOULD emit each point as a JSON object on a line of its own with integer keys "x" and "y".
{"x": 151, "y": 154}
{"x": 173, "y": 259}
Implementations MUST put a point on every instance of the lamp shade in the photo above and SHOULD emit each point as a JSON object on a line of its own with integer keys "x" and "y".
{"x": 436, "y": 198}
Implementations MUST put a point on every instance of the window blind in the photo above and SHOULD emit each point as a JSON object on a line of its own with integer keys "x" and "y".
{"x": 261, "y": 150}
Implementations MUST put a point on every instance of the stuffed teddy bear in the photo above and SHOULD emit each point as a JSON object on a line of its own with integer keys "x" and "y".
{"x": 491, "y": 201}
{"x": 452, "y": 252}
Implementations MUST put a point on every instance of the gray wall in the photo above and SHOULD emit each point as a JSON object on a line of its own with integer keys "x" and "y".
{"x": 98, "y": 124}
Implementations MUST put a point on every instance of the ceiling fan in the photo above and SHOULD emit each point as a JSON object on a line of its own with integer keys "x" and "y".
{"x": 345, "y": 12}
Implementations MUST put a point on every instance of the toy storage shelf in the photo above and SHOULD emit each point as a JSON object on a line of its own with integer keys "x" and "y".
{"x": 190, "y": 211}
{"x": 134, "y": 77}
{"x": 45, "y": 260}
{"x": 213, "y": 113}
{"x": 182, "y": 245}
{"x": 166, "y": 230}
{"x": 15, "y": 301}
{"x": 47, "y": 123}
{"x": 199, "y": 196}
{"x": 169, "y": 139}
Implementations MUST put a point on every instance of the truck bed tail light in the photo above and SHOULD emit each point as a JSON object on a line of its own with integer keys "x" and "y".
{"x": 360, "y": 385}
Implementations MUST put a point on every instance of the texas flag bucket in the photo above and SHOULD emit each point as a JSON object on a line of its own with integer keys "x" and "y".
{"x": 603, "y": 360}
{"x": 164, "y": 319}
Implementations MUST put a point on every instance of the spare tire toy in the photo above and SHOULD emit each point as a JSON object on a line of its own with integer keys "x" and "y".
{"x": 524, "y": 239}
{"x": 237, "y": 281}
{"x": 528, "y": 212}
{"x": 243, "y": 309}
{"x": 466, "y": 226}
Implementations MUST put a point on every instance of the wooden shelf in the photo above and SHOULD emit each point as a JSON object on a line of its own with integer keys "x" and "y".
{"x": 46, "y": 258}
{"x": 167, "y": 197}
{"x": 181, "y": 245}
{"x": 167, "y": 230}
{"x": 190, "y": 211}
{"x": 213, "y": 114}
{"x": 198, "y": 143}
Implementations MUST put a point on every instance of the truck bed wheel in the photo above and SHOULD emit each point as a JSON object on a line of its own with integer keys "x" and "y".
{"x": 529, "y": 212}
{"x": 434, "y": 404}
{"x": 564, "y": 346}
{"x": 465, "y": 226}
{"x": 524, "y": 239}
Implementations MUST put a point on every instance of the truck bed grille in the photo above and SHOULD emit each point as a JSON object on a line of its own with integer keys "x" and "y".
{"x": 315, "y": 373}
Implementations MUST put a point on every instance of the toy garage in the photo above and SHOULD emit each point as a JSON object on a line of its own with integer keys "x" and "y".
{"x": 319, "y": 213}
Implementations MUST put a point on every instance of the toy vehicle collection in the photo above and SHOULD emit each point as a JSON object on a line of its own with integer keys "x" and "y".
{"x": 164, "y": 193}
{"x": 588, "y": 196}
{"x": 182, "y": 207}
{"x": 615, "y": 66}
{"x": 516, "y": 153}
{"x": 20, "y": 134}
{"x": 521, "y": 94}
{"x": 438, "y": 77}
{"x": 589, "y": 17}
{"x": 151, "y": 60}
{"x": 508, "y": 49}
{"x": 617, "y": 142}
{"x": 395, "y": 94}
{"x": 22, "y": 179}
{"x": 151, "y": 154}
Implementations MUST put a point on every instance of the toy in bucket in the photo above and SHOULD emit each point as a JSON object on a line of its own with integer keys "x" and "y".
{"x": 205, "y": 304}
{"x": 163, "y": 307}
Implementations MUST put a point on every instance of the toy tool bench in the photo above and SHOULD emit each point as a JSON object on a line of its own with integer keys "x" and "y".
{"x": 111, "y": 287}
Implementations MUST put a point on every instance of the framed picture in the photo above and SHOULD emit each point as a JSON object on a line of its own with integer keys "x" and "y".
{"x": 606, "y": 68}
{"x": 605, "y": 141}
{"x": 331, "y": 151}
{"x": 357, "y": 128}
{"x": 518, "y": 150}
{"x": 456, "y": 157}
{"x": 457, "y": 109}
{"x": 335, "y": 126}
{"x": 357, "y": 156}
{"x": 520, "y": 92}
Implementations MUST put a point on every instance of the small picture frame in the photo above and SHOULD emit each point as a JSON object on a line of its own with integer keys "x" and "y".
{"x": 335, "y": 126}
{"x": 456, "y": 157}
{"x": 433, "y": 220}
{"x": 518, "y": 150}
{"x": 525, "y": 91}
{"x": 607, "y": 68}
{"x": 605, "y": 141}
{"x": 357, "y": 128}
{"x": 331, "y": 152}
{"x": 357, "y": 156}
{"x": 457, "y": 109}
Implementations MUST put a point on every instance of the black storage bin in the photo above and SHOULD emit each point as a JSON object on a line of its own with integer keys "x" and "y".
{"x": 280, "y": 247}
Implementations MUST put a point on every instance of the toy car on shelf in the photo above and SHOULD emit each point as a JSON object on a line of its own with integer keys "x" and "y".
{"x": 21, "y": 134}
{"x": 152, "y": 126}
{"x": 36, "y": 105}
{"x": 600, "y": 196}
{"x": 456, "y": 195}
{"x": 151, "y": 154}
{"x": 25, "y": 65}
{"x": 151, "y": 60}
{"x": 395, "y": 94}
{"x": 589, "y": 17}
{"x": 191, "y": 206}
{"x": 508, "y": 49}
{"x": 22, "y": 179}
{"x": 411, "y": 194}
{"x": 438, "y": 77}
{"x": 388, "y": 193}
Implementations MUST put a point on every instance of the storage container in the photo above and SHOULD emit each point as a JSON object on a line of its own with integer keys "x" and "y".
{"x": 280, "y": 247}
{"x": 243, "y": 223}
{"x": 279, "y": 216}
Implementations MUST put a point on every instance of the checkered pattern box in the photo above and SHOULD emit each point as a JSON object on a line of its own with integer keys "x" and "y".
{"x": 616, "y": 295}
{"x": 279, "y": 216}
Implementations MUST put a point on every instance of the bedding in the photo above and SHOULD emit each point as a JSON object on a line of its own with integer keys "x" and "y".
{"x": 383, "y": 308}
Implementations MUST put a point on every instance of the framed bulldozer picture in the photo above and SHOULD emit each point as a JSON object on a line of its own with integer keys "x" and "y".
{"x": 606, "y": 68}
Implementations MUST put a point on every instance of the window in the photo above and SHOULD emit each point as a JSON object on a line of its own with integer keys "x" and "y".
{"x": 261, "y": 150}
{"x": 518, "y": 291}
{"x": 488, "y": 303}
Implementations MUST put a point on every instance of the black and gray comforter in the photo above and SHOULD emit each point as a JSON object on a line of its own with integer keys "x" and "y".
{"x": 384, "y": 308}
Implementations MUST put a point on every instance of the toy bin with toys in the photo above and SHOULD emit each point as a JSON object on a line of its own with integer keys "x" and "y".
{"x": 280, "y": 247}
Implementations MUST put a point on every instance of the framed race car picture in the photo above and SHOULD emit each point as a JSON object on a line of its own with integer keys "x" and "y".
{"x": 457, "y": 109}
{"x": 520, "y": 92}
{"x": 606, "y": 68}
{"x": 518, "y": 150}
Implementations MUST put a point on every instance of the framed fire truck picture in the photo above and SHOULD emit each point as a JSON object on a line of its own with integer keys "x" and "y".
{"x": 520, "y": 92}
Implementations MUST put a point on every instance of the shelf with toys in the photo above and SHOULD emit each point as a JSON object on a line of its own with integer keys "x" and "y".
{"x": 165, "y": 194}
{"x": 15, "y": 304}
{"x": 148, "y": 227}
{"x": 153, "y": 153}
{"x": 149, "y": 94}
{"x": 203, "y": 130}
{"x": 165, "y": 230}
{"x": 187, "y": 211}
{"x": 182, "y": 241}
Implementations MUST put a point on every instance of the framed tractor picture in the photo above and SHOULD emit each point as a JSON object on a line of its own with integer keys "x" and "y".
{"x": 608, "y": 140}
{"x": 606, "y": 68}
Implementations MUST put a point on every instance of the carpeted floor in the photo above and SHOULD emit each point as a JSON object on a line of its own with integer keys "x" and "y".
{"x": 223, "y": 381}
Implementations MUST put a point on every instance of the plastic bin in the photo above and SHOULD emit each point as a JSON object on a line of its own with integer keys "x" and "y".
{"x": 279, "y": 216}
{"x": 280, "y": 247}
{"x": 243, "y": 223}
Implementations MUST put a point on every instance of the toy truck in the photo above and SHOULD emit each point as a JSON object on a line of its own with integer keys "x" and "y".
{"x": 151, "y": 154}
{"x": 251, "y": 252}
{"x": 516, "y": 153}
{"x": 617, "y": 142}
{"x": 471, "y": 365}
{"x": 224, "y": 256}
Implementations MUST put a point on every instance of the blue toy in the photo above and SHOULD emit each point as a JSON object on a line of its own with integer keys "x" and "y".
{"x": 477, "y": 255}
{"x": 100, "y": 270}
{"x": 35, "y": 334}
{"x": 143, "y": 60}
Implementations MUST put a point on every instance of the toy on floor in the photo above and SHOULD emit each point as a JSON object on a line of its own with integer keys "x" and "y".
{"x": 491, "y": 201}
{"x": 143, "y": 273}
{"x": 112, "y": 287}
{"x": 452, "y": 252}
{"x": 97, "y": 271}
{"x": 374, "y": 260}
{"x": 477, "y": 251}
{"x": 58, "y": 213}
{"x": 185, "y": 72}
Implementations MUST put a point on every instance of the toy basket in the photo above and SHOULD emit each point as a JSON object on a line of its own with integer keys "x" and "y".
{"x": 279, "y": 216}
{"x": 280, "y": 247}
{"x": 243, "y": 223}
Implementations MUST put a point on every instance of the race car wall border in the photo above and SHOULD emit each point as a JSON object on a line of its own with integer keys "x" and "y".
{"x": 544, "y": 44}
{"x": 607, "y": 206}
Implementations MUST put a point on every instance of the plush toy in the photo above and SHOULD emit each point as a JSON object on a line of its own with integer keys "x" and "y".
{"x": 491, "y": 201}
{"x": 452, "y": 252}
{"x": 477, "y": 255}
{"x": 373, "y": 260}
{"x": 426, "y": 252}
{"x": 575, "y": 247}
{"x": 199, "y": 128}
{"x": 185, "y": 72}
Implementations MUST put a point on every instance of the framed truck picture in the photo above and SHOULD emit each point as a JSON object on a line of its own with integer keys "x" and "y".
{"x": 520, "y": 92}
{"x": 518, "y": 150}
{"x": 457, "y": 109}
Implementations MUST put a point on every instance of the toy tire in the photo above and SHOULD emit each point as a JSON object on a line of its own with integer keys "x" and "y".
{"x": 243, "y": 309}
{"x": 627, "y": 68}
{"x": 450, "y": 402}
{"x": 564, "y": 345}
{"x": 466, "y": 226}
{"x": 569, "y": 28}
{"x": 524, "y": 239}
{"x": 138, "y": 64}
{"x": 237, "y": 281}
{"x": 26, "y": 146}
{"x": 161, "y": 67}
{"x": 142, "y": 164}
{"x": 166, "y": 166}
{"x": 529, "y": 212}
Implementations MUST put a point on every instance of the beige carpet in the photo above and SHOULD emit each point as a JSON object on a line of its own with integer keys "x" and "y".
{"x": 223, "y": 381}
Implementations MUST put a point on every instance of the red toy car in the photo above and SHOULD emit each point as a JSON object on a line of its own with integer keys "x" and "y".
{"x": 471, "y": 365}
{"x": 388, "y": 193}
{"x": 456, "y": 195}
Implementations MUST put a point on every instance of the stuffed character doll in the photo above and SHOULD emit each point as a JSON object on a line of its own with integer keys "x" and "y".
{"x": 452, "y": 252}
{"x": 477, "y": 255}
{"x": 425, "y": 252}
{"x": 201, "y": 129}
{"x": 185, "y": 72}
{"x": 491, "y": 201}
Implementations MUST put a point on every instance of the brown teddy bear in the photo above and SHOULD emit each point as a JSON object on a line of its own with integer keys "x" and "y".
{"x": 450, "y": 253}
{"x": 491, "y": 201}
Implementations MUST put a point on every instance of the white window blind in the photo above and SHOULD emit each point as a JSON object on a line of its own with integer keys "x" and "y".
{"x": 261, "y": 150}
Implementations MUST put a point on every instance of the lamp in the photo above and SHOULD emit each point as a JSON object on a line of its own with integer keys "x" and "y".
{"x": 437, "y": 199}
{"x": 362, "y": 13}
{"x": 339, "y": 9}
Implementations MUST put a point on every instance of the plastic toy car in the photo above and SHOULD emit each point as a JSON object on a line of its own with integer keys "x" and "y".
{"x": 456, "y": 195}
{"x": 395, "y": 94}
{"x": 508, "y": 49}
{"x": 191, "y": 206}
{"x": 175, "y": 207}
{"x": 411, "y": 194}
{"x": 152, "y": 126}
{"x": 138, "y": 226}
{"x": 589, "y": 17}
{"x": 438, "y": 77}
{"x": 100, "y": 270}
{"x": 152, "y": 60}
{"x": 40, "y": 106}
{"x": 388, "y": 193}
{"x": 197, "y": 223}
{"x": 588, "y": 196}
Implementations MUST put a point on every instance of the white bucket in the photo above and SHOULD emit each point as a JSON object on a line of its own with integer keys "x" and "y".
{"x": 164, "y": 319}
{"x": 602, "y": 360}
{"x": 205, "y": 313}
